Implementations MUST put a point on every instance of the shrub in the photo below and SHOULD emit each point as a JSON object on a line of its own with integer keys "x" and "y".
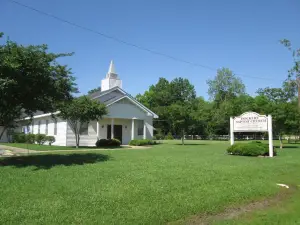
{"x": 40, "y": 138}
{"x": 136, "y": 142}
{"x": 169, "y": 136}
{"x": 50, "y": 139}
{"x": 30, "y": 138}
{"x": 159, "y": 136}
{"x": 19, "y": 138}
{"x": 108, "y": 143}
{"x": 250, "y": 149}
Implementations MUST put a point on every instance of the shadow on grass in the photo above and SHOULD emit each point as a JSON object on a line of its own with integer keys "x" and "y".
{"x": 191, "y": 144}
{"x": 289, "y": 146}
{"x": 52, "y": 160}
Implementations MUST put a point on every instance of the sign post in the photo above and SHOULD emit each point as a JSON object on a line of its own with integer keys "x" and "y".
{"x": 270, "y": 135}
{"x": 231, "y": 131}
{"x": 252, "y": 122}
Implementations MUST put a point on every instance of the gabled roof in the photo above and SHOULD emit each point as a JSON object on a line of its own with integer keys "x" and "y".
{"x": 125, "y": 95}
{"x": 108, "y": 102}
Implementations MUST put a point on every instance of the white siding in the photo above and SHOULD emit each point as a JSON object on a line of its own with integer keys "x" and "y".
{"x": 91, "y": 138}
{"x": 85, "y": 140}
{"x": 149, "y": 127}
{"x": 122, "y": 111}
{"x": 60, "y": 137}
{"x": 4, "y": 136}
{"x": 126, "y": 128}
{"x": 125, "y": 109}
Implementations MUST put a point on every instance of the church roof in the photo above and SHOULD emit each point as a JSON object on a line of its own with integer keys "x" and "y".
{"x": 116, "y": 98}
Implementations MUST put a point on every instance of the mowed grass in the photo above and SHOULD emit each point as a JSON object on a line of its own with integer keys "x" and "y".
{"x": 166, "y": 183}
{"x": 37, "y": 147}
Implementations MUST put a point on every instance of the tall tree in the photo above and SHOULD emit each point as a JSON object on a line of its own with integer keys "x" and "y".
{"x": 294, "y": 72}
{"x": 31, "y": 80}
{"x": 225, "y": 86}
{"x": 223, "y": 90}
{"x": 166, "y": 95}
{"x": 180, "y": 117}
{"x": 276, "y": 102}
{"x": 80, "y": 111}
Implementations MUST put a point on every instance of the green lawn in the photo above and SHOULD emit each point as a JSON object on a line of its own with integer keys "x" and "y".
{"x": 48, "y": 147}
{"x": 168, "y": 183}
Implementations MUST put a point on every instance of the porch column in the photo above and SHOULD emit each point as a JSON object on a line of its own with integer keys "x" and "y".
{"x": 145, "y": 136}
{"x": 98, "y": 130}
{"x": 112, "y": 128}
{"x": 132, "y": 129}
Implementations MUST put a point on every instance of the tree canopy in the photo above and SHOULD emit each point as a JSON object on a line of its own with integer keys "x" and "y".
{"x": 31, "y": 79}
{"x": 181, "y": 112}
{"x": 81, "y": 111}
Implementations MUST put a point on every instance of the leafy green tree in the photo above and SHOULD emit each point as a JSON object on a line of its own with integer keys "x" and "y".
{"x": 201, "y": 114}
{"x": 181, "y": 90}
{"x": 31, "y": 79}
{"x": 160, "y": 97}
{"x": 294, "y": 72}
{"x": 225, "y": 86}
{"x": 276, "y": 102}
{"x": 224, "y": 91}
{"x": 180, "y": 116}
{"x": 79, "y": 111}
{"x": 94, "y": 90}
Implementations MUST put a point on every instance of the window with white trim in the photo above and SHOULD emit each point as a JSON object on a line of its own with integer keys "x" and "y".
{"x": 140, "y": 126}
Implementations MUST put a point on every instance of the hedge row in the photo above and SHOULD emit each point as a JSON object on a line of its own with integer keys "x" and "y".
{"x": 108, "y": 143}
{"x": 254, "y": 148}
{"x": 142, "y": 142}
{"x": 32, "y": 138}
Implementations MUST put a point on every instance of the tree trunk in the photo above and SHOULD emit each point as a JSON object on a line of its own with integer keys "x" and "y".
{"x": 280, "y": 139}
{"x": 4, "y": 129}
{"x": 298, "y": 83}
{"x": 77, "y": 140}
{"x": 182, "y": 137}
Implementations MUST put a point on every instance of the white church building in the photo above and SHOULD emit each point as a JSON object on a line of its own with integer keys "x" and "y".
{"x": 127, "y": 119}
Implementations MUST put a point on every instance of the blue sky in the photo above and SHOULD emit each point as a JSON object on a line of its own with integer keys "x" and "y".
{"x": 241, "y": 35}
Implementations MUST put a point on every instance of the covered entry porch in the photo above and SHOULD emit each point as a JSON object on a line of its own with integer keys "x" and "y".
{"x": 121, "y": 129}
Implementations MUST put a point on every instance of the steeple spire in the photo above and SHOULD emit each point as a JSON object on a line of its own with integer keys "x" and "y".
{"x": 111, "y": 80}
{"x": 111, "y": 71}
{"x": 112, "y": 67}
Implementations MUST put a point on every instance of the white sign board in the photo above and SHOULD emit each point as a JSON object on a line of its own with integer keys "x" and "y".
{"x": 250, "y": 122}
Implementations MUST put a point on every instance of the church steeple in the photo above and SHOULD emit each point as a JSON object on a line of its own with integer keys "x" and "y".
{"x": 111, "y": 71}
{"x": 111, "y": 80}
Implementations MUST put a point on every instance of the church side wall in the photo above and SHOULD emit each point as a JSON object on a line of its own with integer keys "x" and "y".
{"x": 4, "y": 136}
{"x": 60, "y": 136}
{"x": 85, "y": 140}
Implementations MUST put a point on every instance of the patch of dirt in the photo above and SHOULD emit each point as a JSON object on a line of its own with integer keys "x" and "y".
{"x": 234, "y": 212}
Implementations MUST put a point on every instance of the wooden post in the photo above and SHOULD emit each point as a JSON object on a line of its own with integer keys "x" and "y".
{"x": 270, "y": 131}
{"x": 112, "y": 128}
{"x": 98, "y": 130}
{"x": 231, "y": 131}
{"x": 132, "y": 129}
{"x": 144, "y": 132}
